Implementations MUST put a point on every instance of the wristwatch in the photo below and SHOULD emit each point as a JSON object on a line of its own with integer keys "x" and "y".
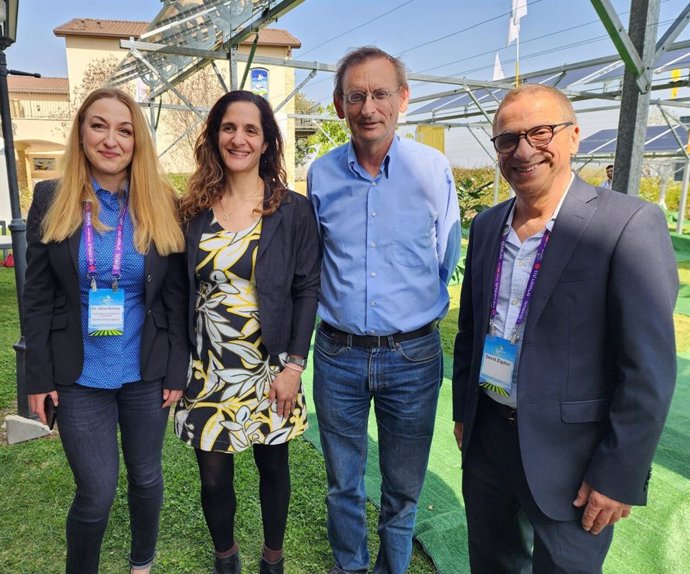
{"x": 299, "y": 361}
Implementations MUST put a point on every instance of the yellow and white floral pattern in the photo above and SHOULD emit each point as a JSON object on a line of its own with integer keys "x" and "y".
{"x": 225, "y": 406}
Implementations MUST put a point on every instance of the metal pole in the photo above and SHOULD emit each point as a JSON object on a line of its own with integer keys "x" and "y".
{"x": 632, "y": 124}
{"x": 683, "y": 197}
{"x": 18, "y": 229}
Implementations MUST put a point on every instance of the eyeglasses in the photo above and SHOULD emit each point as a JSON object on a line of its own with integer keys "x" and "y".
{"x": 538, "y": 136}
{"x": 377, "y": 96}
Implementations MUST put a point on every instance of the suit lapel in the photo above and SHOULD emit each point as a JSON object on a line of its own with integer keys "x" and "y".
{"x": 268, "y": 228}
{"x": 490, "y": 256}
{"x": 574, "y": 217}
{"x": 73, "y": 245}
{"x": 194, "y": 230}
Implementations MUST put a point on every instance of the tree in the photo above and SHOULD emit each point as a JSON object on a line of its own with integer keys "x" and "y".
{"x": 201, "y": 89}
{"x": 329, "y": 134}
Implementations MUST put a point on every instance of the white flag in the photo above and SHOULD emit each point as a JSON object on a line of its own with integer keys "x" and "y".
{"x": 498, "y": 70}
{"x": 519, "y": 10}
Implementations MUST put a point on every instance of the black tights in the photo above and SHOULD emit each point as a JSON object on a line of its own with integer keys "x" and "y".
{"x": 218, "y": 494}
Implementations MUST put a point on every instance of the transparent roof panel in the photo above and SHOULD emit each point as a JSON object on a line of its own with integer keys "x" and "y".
{"x": 200, "y": 24}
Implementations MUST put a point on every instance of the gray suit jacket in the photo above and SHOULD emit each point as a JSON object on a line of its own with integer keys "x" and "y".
{"x": 597, "y": 366}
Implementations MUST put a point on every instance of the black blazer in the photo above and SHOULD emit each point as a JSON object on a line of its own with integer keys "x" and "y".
{"x": 52, "y": 310}
{"x": 288, "y": 266}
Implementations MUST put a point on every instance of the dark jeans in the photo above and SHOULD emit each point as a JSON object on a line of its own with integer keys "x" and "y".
{"x": 403, "y": 381}
{"x": 88, "y": 419}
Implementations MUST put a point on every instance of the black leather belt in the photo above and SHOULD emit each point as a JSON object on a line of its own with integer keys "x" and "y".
{"x": 372, "y": 341}
{"x": 503, "y": 411}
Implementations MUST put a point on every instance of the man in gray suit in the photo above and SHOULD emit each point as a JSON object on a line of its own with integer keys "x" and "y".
{"x": 565, "y": 357}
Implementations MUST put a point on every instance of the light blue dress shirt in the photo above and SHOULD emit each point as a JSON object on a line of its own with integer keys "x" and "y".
{"x": 518, "y": 260}
{"x": 111, "y": 361}
{"x": 390, "y": 242}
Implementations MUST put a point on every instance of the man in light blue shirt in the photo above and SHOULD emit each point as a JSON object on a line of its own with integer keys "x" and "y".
{"x": 389, "y": 221}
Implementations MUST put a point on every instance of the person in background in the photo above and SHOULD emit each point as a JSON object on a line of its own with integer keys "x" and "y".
{"x": 253, "y": 268}
{"x": 606, "y": 184}
{"x": 565, "y": 358}
{"x": 105, "y": 320}
{"x": 389, "y": 222}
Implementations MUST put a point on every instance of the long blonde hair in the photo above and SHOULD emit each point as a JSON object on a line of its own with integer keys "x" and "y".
{"x": 152, "y": 199}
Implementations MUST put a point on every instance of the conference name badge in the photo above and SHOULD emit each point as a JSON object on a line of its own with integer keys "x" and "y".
{"x": 106, "y": 312}
{"x": 498, "y": 363}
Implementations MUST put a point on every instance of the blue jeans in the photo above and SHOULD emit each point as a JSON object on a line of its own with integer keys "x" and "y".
{"x": 404, "y": 381}
{"x": 88, "y": 419}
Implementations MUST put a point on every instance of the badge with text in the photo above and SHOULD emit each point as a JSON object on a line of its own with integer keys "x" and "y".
{"x": 498, "y": 362}
{"x": 106, "y": 312}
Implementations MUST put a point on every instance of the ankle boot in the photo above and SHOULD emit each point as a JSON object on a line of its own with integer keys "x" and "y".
{"x": 271, "y": 567}
{"x": 228, "y": 565}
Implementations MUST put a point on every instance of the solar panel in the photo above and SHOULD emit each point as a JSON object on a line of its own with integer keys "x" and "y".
{"x": 658, "y": 139}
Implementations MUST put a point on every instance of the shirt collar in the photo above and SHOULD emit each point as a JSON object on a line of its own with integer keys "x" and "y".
{"x": 106, "y": 197}
{"x": 551, "y": 221}
{"x": 356, "y": 168}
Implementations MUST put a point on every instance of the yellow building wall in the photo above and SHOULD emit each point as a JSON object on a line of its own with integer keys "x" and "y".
{"x": 433, "y": 136}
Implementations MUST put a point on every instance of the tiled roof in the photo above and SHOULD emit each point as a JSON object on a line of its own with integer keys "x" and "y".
{"x": 275, "y": 37}
{"x": 102, "y": 28}
{"x": 127, "y": 28}
{"x": 31, "y": 85}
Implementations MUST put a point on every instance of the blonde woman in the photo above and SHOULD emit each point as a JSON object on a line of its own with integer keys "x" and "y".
{"x": 253, "y": 264}
{"x": 105, "y": 319}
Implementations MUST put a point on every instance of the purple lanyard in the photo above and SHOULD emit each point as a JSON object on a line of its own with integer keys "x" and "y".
{"x": 536, "y": 267}
{"x": 90, "y": 253}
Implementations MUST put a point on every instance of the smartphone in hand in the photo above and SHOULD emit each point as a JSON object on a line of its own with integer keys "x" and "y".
{"x": 50, "y": 410}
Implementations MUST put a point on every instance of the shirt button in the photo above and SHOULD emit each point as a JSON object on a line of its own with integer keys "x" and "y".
{"x": 373, "y": 273}
{"x": 373, "y": 303}
{"x": 514, "y": 302}
{"x": 373, "y": 184}
{"x": 373, "y": 244}
{"x": 373, "y": 214}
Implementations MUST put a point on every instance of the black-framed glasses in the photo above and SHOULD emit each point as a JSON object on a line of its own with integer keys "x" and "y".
{"x": 538, "y": 136}
{"x": 377, "y": 96}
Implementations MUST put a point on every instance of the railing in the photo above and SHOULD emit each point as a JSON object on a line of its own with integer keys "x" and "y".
{"x": 40, "y": 109}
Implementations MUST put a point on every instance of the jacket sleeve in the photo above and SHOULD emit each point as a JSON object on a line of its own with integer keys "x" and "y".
{"x": 643, "y": 286}
{"x": 176, "y": 302}
{"x": 306, "y": 279}
{"x": 464, "y": 347}
{"x": 38, "y": 297}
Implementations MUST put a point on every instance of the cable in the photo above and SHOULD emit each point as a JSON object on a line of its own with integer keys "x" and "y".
{"x": 357, "y": 27}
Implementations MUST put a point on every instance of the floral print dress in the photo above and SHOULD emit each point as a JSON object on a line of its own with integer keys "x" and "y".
{"x": 225, "y": 406}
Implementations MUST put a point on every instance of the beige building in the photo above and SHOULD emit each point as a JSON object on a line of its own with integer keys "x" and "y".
{"x": 42, "y": 108}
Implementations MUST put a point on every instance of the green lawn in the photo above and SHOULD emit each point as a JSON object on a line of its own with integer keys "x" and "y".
{"x": 37, "y": 488}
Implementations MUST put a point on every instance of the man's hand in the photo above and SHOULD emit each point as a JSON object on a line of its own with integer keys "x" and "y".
{"x": 457, "y": 431}
{"x": 600, "y": 511}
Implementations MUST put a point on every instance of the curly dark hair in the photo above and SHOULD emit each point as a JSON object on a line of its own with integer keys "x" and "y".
{"x": 208, "y": 180}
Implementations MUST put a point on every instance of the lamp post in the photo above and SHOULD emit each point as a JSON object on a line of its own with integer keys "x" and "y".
{"x": 8, "y": 34}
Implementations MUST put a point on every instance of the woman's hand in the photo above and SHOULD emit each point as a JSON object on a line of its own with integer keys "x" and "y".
{"x": 37, "y": 404}
{"x": 284, "y": 390}
{"x": 170, "y": 397}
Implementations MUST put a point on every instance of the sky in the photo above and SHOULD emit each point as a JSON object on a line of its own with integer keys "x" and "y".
{"x": 439, "y": 37}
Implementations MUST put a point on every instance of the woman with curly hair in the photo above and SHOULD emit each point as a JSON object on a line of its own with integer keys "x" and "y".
{"x": 104, "y": 320}
{"x": 253, "y": 262}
